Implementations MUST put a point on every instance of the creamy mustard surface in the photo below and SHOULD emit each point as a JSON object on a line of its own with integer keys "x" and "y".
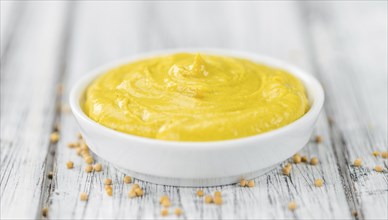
{"x": 195, "y": 97}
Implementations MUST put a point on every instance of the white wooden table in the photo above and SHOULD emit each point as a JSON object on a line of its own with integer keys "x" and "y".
{"x": 46, "y": 44}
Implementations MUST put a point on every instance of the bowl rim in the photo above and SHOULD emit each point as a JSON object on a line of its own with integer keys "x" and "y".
{"x": 80, "y": 86}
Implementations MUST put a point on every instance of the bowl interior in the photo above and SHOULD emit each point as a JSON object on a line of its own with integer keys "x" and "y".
{"x": 313, "y": 88}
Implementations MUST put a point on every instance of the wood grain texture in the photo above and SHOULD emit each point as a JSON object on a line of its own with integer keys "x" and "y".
{"x": 357, "y": 100}
{"x": 343, "y": 44}
{"x": 28, "y": 107}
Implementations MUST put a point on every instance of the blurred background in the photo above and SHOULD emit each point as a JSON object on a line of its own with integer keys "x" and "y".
{"x": 46, "y": 46}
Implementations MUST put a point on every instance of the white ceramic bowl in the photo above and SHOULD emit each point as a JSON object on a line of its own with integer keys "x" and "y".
{"x": 198, "y": 163}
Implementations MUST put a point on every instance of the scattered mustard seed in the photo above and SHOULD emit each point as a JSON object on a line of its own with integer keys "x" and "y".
{"x": 286, "y": 171}
{"x": 243, "y": 182}
{"x": 139, "y": 192}
{"x": 162, "y": 198}
{"x": 355, "y": 213}
{"x": 384, "y": 154}
{"x": 292, "y": 205}
{"x": 84, "y": 148}
{"x": 107, "y": 181}
{"x": 304, "y": 159}
{"x": 164, "y": 212}
{"x": 357, "y": 162}
{"x": 178, "y": 212}
{"x": 378, "y": 168}
{"x": 218, "y": 200}
{"x": 88, "y": 168}
{"x": 78, "y": 151}
{"x": 318, "y": 139}
{"x": 376, "y": 153}
{"x": 314, "y": 161}
{"x": 132, "y": 193}
{"x": 72, "y": 145}
{"x": 251, "y": 183}
{"x": 109, "y": 191}
{"x": 217, "y": 193}
{"x": 288, "y": 166}
{"x": 70, "y": 164}
{"x": 50, "y": 175}
{"x": 200, "y": 193}
{"x": 318, "y": 182}
{"x": 297, "y": 158}
{"x": 127, "y": 179}
{"x": 79, "y": 136}
{"x": 45, "y": 212}
{"x": 166, "y": 202}
{"x": 84, "y": 196}
{"x": 107, "y": 187}
{"x": 89, "y": 159}
{"x": 208, "y": 199}
{"x": 97, "y": 167}
{"x": 135, "y": 186}
{"x": 54, "y": 137}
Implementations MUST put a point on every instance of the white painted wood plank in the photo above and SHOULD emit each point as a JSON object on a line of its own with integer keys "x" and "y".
{"x": 350, "y": 43}
{"x": 108, "y": 31}
{"x": 11, "y": 12}
{"x": 28, "y": 76}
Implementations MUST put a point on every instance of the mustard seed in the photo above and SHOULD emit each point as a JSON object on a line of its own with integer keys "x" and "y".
{"x": 132, "y": 193}
{"x": 318, "y": 139}
{"x": 376, "y": 153}
{"x": 89, "y": 159}
{"x": 297, "y": 158}
{"x": 200, "y": 193}
{"x": 135, "y": 186}
{"x": 72, "y": 145}
{"x": 292, "y": 205}
{"x": 85, "y": 153}
{"x": 318, "y": 182}
{"x": 378, "y": 168}
{"x": 139, "y": 192}
{"x": 109, "y": 191}
{"x": 79, "y": 136}
{"x": 70, "y": 164}
{"x": 166, "y": 202}
{"x": 50, "y": 175}
{"x": 357, "y": 162}
{"x": 384, "y": 154}
{"x": 218, "y": 200}
{"x": 88, "y": 168}
{"x": 107, "y": 181}
{"x": 98, "y": 167}
{"x": 286, "y": 171}
{"x": 127, "y": 179}
{"x": 54, "y": 137}
{"x": 288, "y": 166}
{"x": 84, "y": 196}
{"x": 208, "y": 199}
{"x": 178, "y": 212}
{"x": 164, "y": 212}
{"x": 83, "y": 145}
{"x": 217, "y": 194}
{"x": 251, "y": 183}
{"x": 45, "y": 212}
{"x": 107, "y": 187}
{"x": 78, "y": 151}
{"x": 304, "y": 159}
{"x": 314, "y": 161}
{"x": 243, "y": 182}
{"x": 162, "y": 198}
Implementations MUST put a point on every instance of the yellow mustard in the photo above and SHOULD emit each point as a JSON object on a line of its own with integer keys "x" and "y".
{"x": 192, "y": 97}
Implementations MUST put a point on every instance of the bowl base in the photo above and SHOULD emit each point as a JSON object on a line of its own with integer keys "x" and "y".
{"x": 194, "y": 182}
